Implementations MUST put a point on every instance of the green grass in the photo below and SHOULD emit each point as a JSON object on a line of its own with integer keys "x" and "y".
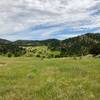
{"x": 49, "y": 79}
{"x": 41, "y": 51}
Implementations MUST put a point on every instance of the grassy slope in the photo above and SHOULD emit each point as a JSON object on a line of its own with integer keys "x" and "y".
{"x": 49, "y": 79}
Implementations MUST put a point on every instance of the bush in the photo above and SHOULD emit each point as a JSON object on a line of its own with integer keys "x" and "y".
{"x": 10, "y": 49}
{"x": 16, "y": 55}
{"x": 95, "y": 50}
{"x": 42, "y": 52}
{"x": 9, "y": 55}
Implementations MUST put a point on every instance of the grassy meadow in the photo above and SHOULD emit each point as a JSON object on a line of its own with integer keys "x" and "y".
{"x": 28, "y": 78}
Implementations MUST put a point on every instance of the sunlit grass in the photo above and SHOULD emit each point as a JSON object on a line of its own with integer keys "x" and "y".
{"x": 49, "y": 79}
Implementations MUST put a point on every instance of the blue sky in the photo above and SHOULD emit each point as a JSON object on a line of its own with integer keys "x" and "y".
{"x": 45, "y": 19}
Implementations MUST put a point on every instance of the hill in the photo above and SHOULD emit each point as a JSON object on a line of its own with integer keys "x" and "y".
{"x": 36, "y": 42}
{"x": 79, "y": 45}
{"x": 89, "y": 37}
{"x": 4, "y": 41}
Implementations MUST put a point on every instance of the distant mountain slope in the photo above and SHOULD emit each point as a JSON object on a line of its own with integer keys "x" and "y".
{"x": 94, "y": 37}
{"x": 36, "y": 42}
{"x": 86, "y": 38}
{"x": 4, "y": 41}
{"x": 79, "y": 45}
{"x": 83, "y": 40}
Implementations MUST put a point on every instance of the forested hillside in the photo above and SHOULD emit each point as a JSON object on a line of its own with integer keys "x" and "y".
{"x": 3, "y": 41}
{"x": 79, "y": 46}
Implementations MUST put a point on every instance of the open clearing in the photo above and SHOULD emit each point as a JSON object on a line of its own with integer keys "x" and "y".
{"x": 49, "y": 79}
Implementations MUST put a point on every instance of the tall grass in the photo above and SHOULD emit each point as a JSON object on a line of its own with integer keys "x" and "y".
{"x": 49, "y": 79}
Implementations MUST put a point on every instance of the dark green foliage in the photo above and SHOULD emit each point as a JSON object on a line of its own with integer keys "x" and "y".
{"x": 9, "y": 55}
{"x": 53, "y": 42}
{"x": 95, "y": 50}
{"x": 79, "y": 45}
{"x": 76, "y": 46}
{"x": 10, "y": 50}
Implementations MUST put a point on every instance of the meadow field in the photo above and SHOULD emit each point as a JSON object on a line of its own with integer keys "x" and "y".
{"x": 28, "y": 78}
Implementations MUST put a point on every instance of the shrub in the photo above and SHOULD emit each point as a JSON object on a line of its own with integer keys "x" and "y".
{"x": 95, "y": 50}
{"x": 9, "y": 55}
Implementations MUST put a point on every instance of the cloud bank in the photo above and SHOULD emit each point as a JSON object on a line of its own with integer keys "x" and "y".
{"x": 43, "y": 19}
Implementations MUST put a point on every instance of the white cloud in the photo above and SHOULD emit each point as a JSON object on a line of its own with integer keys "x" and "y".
{"x": 20, "y": 15}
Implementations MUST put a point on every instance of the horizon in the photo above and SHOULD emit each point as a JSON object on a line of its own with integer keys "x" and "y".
{"x": 49, "y": 38}
{"x": 48, "y": 19}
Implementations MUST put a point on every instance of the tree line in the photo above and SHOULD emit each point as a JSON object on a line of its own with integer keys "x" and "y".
{"x": 77, "y": 46}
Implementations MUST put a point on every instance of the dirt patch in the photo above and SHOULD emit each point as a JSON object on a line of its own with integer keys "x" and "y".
{"x": 2, "y": 64}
